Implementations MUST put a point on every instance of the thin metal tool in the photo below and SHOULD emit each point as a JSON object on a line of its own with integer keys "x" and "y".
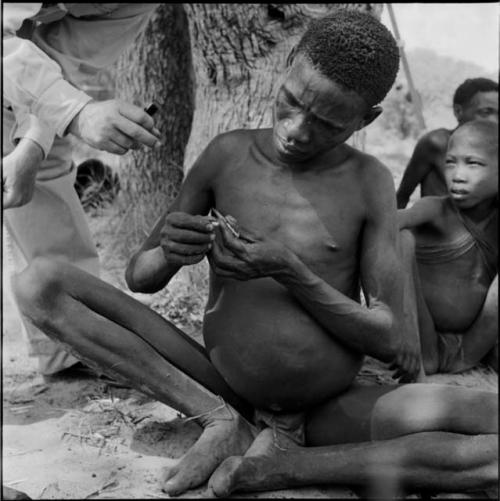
{"x": 230, "y": 227}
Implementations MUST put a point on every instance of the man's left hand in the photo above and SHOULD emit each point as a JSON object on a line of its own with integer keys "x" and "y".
{"x": 248, "y": 256}
{"x": 19, "y": 169}
{"x": 408, "y": 364}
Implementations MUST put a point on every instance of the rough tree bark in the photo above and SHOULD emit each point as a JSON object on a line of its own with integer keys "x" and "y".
{"x": 157, "y": 67}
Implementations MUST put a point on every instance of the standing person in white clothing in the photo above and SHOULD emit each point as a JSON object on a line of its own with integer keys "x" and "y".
{"x": 49, "y": 52}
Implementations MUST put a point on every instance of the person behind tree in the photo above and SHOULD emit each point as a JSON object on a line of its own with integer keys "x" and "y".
{"x": 305, "y": 220}
{"x": 475, "y": 98}
{"x": 456, "y": 248}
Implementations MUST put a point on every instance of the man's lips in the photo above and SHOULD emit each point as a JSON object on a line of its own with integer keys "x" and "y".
{"x": 288, "y": 148}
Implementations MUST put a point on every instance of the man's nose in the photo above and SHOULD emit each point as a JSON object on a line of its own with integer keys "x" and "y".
{"x": 297, "y": 129}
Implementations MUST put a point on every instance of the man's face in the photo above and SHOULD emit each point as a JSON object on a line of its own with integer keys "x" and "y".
{"x": 471, "y": 168}
{"x": 313, "y": 114}
{"x": 482, "y": 106}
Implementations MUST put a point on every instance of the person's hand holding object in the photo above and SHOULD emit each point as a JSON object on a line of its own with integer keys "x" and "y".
{"x": 115, "y": 126}
{"x": 185, "y": 238}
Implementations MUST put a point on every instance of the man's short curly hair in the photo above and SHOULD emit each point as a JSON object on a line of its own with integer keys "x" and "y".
{"x": 354, "y": 49}
{"x": 470, "y": 87}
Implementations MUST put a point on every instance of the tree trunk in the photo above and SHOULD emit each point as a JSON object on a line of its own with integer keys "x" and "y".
{"x": 239, "y": 52}
{"x": 157, "y": 67}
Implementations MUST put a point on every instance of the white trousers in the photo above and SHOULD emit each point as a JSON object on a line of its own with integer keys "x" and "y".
{"x": 52, "y": 225}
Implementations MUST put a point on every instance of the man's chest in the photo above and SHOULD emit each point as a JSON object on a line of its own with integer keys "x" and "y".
{"x": 319, "y": 218}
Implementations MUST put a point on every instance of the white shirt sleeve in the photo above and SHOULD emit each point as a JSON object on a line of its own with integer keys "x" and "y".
{"x": 39, "y": 80}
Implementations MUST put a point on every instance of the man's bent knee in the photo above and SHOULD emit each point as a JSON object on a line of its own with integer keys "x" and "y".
{"x": 36, "y": 285}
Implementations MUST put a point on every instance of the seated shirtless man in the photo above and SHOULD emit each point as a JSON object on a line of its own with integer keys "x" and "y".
{"x": 284, "y": 328}
{"x": 456, "y": 251}
{"x": 475, "y": 98}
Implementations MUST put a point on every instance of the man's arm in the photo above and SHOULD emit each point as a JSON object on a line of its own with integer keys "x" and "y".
{"x": 33, "y": 80}
{"x": 372, "y": 330}
{"x": 184, "y": 233}
{"x": 477, "y": 341}
{"x": 419, "y": 166}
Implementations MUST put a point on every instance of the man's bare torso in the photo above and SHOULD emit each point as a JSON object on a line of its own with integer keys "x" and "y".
{"x": 268, "y": 348}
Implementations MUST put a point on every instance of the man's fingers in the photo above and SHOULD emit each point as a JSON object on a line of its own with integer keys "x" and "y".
{"x": 189, "y": 237}
{"x": 113, "y": 147}
{"x": 230, "y": 241}
{"x": 186, "y": 250}
{"x": 190, "y": 222}
{"x": 184, "y": 260}
{"x": 136, "y": 114}
{"x": 136, "y": 132}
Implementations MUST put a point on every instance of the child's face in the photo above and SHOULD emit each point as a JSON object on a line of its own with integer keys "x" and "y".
{"x": 312, "y": 114}
{"x": 482, "y": 106}
{"x": 471, "y": 168}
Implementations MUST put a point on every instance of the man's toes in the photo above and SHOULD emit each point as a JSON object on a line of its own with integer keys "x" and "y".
{"x": 224, "y": 479}
{"x": 169, "y": 471}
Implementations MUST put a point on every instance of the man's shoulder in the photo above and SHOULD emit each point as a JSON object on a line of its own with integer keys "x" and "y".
{"x": 370, "y": 167}
{"x": 237, "y": 138}
{"x": 437, "y": 138}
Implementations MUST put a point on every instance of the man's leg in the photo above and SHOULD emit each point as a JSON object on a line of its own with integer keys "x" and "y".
{"x": 410, "y": 437}
{"x": 115, "y": 334}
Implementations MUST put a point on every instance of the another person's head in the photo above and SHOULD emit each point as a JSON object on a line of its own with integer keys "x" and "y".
{"x": 471, "y": 167}
{"x": 476, "y": 99}
{"x": 341, "y": 69}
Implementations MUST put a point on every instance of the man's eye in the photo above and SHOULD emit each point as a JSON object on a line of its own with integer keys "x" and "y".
{"x": 328, "y": 126}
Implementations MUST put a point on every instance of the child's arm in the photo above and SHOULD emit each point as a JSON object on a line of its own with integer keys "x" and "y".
{"x": 478, "y": 340}
{"x": 424, "y": 210}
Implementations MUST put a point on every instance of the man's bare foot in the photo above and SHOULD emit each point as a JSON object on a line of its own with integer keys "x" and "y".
{"x": 263, "y": 467}
{"x": 222, "y": 437}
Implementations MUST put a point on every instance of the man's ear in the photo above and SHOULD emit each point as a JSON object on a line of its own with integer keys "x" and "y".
{"x": 370, "y": 116}
{"x": 291, "y": 56}
{"x": 457, "y": 111}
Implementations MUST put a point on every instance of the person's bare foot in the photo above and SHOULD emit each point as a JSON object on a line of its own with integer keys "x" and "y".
{"x": 222, "y": 437}
{"x": 263, "y": 467}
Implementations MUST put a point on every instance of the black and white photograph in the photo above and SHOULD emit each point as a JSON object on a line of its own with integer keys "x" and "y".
{"x": 250, "y": 250}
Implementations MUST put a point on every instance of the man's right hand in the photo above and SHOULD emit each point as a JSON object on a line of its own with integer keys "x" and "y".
{"x": 186, "y": 239}
{"x": 114, "y": 126}
{"x": 19, "y": 169}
